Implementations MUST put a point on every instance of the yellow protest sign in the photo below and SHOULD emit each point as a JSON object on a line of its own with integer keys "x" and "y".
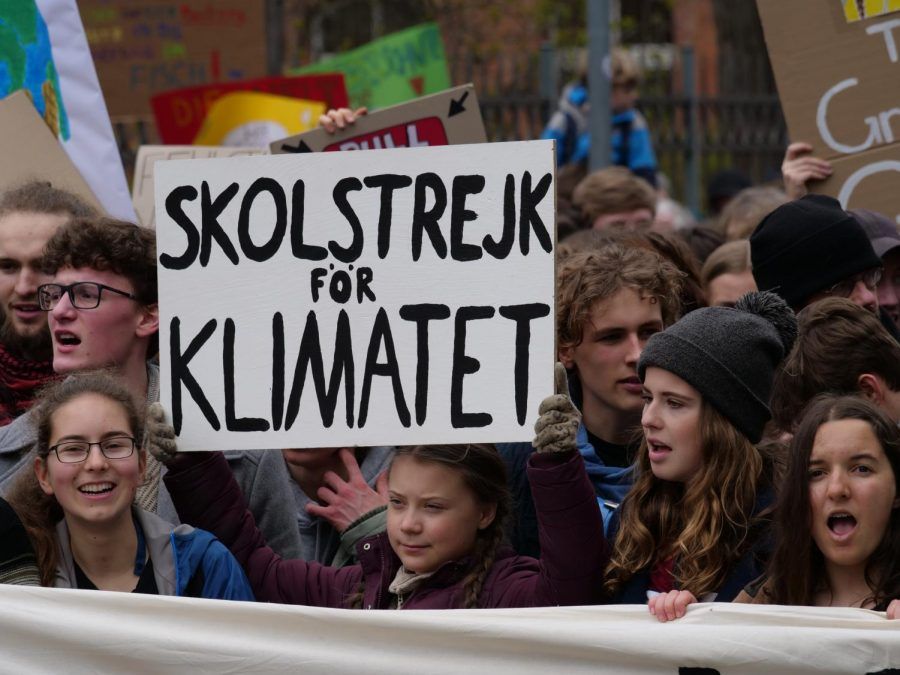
{"x": 253, "y": 119}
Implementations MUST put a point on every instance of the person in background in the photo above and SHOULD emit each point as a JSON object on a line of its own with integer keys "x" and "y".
{"x": 841, "y": 349}
{"x": 632, "y": 147}
{"x": 726, "y": 275}
{"x": 885, "y": 240}
{"x": 746, "y": 210}
{"x": 614, "y": 199}
{"x": 29, "y": 215}
{"x": 722, "y": 188}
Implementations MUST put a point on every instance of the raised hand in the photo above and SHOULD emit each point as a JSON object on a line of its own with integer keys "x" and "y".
{"x": 345, "y": 501}
{"x": 557, "y": 427}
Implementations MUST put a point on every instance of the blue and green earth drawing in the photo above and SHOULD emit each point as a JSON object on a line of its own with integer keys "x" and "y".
{"x": 26, "y": 61}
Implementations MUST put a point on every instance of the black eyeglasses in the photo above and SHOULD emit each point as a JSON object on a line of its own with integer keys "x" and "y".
{"x": 73, "y": 452}
{"x": 844, "y": 288}
{"x": 82, "y": 294}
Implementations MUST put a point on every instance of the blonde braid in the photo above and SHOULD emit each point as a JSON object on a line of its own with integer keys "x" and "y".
{"x": 486, "y": 552}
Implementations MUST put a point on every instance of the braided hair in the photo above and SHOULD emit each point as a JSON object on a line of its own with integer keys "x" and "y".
{"x": 484, "y": 473}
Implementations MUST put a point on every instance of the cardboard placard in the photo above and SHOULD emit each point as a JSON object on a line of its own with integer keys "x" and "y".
{"x": 451, "y": 117}
{"x": 254, "y": 119}
{"x": 868, "y": 180}
{"x": 30, "y": 151}
{"x": 179, "y": 113}
{"x": 142, "y": 47}
{"x": 391, "y": 70}
{"x": 836, "y": 72}
{"x": 377, "y": 298}
{"x": 43, "y": 50}
{"x": 142, "y": 192}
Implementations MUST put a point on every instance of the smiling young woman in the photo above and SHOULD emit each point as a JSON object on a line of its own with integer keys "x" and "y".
{"x": 78, "y": 510}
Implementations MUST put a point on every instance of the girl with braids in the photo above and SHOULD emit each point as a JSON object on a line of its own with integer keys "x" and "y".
{"x": 695, "y": 523}
{"x": 443, "y": 548}
{"x": 837, "y": 522}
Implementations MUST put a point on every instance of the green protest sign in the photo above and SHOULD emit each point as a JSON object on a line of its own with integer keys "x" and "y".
{"x": 392, "y": 69}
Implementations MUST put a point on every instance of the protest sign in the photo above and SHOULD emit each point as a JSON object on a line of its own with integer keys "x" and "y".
{"x": 30, "y": 151}
{"x": 43, "y": 50}
{"x": 148, "y": 155}
{"x": 836, "y": 71}
{"x": 179, "y": 113}
{"x": 142, "y": 47}
{"x": 140, "y": 633}
{"x": 392, "y": 69}
{"x": 251, "y": 118}
{"x": 375, "y": 298}
{"x": 451, "y": 117}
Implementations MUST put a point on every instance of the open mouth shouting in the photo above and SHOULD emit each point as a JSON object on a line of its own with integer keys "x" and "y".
{"x": 27, "y": 311}
{"x": 65, "y": 340}
{"x": 841, "y": 524}
{"x": 658, "y": 451}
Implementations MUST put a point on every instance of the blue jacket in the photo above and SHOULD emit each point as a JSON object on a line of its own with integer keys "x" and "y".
{"x": 186, "y": 561}
{"x": 632, "y": 146}
{"x": 610, "y": 483}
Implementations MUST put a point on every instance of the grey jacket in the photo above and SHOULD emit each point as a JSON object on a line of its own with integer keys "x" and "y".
{"x": 261, "y": 474}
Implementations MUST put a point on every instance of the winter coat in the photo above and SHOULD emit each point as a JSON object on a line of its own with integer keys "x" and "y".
{"x": 186, "y": 561}
{"x": 611, "y": 484}
{"x": 575, "y": 551}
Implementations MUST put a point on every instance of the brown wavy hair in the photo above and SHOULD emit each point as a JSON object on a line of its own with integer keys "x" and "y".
{"x": 484, "y": 473}
{"x": 40, "y": 512}
{"x": 797, "y": 567}
{"x": 586, "y": 277}
{"x": 706, "y": 523}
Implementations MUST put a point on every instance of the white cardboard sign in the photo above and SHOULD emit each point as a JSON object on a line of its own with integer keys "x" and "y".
{"x": 386, "y": 297}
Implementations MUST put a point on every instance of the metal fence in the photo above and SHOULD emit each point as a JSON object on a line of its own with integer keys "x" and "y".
{"x": 694, "y": 136}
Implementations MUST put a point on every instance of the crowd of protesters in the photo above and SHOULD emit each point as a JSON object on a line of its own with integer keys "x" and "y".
{"x": 724, "y": 427}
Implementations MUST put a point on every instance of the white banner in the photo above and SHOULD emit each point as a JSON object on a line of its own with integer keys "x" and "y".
{"x": 374, "y": 298}
{"x": 44, "y": 630}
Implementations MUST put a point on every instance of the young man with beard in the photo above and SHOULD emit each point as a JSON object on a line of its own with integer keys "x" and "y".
{"x": 609, "y": 301}
{"x": 101, "y": 304}
{"x": 29, "y": 215}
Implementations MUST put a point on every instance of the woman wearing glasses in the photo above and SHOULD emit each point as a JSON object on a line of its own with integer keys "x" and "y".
{"x": 77, "y": 506}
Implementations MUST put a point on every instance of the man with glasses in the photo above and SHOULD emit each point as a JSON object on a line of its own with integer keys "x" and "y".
{"x": 810, "y": 249}
{"x": 101, "y": 304}
{"x": 885, "y": 240}
{"x": 29, "y": 215}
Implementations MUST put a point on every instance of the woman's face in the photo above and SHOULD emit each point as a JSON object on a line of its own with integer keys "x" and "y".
{"x": 97, "y": 490}
{"x": 671, "y": 424}
{"x": 852, "y": 492}
{"x": 433, "y": 517}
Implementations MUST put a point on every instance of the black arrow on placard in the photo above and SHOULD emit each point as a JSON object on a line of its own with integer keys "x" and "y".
{"x": 457, "y": 107}
{"x": 300, "y": 147}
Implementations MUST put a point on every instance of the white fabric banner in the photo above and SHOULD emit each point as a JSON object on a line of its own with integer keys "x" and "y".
{"x": 92, "y": 145}
{"x": 45, "y": 630}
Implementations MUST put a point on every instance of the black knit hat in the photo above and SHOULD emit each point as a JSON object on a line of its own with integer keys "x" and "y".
{"x": 729, "y": 355}
{"x": 807, "y": 246}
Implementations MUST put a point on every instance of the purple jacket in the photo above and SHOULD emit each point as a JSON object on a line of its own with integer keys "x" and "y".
{"x": 570, "y": 571}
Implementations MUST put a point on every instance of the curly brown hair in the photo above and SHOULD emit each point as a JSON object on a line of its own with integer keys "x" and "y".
{"x": 586, "y": 277}
{"x": 106, "y": 244}
{"x": 37, "y": 196}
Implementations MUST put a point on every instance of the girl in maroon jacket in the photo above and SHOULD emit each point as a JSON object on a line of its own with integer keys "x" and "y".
{"x": 443, "y": 548}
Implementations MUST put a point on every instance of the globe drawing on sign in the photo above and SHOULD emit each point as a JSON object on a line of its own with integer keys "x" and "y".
{"x": 26, "y": 62}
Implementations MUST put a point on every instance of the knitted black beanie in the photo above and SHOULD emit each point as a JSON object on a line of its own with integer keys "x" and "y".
{"x": 729, "y": 355}
{"x": 807, "y": 246}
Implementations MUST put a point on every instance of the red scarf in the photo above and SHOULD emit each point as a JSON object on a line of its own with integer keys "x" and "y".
{"x": 20, "y": 377}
